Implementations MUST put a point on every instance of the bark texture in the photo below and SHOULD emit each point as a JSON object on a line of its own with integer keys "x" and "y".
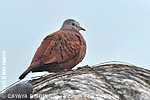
{"x": 107, "y": 81}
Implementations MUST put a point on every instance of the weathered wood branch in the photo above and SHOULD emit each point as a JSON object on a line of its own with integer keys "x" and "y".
{"x": 107, "y": 81}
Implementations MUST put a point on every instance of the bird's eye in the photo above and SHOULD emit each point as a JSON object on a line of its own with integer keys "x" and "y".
{"x": 73, "y": 24}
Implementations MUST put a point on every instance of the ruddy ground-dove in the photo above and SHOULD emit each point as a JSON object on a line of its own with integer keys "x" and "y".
{"x": 61, "y": 50}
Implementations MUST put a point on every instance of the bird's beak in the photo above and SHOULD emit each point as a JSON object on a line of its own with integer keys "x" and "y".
{"x": 80, "y": 28}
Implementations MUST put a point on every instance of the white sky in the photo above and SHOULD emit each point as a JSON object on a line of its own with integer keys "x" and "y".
{"x": 116, "y": 30}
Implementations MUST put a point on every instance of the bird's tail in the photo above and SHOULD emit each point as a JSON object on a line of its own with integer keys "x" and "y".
{"x": 25, "y": 73}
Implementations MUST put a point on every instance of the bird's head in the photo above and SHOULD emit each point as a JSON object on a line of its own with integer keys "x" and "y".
{"x": 72, "y": 24}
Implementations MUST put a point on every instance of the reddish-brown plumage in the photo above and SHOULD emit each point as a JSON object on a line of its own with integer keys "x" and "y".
{"x": 60, "y": 50}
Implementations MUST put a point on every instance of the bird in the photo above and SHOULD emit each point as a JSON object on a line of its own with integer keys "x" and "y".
{"x": 59, "y": 51}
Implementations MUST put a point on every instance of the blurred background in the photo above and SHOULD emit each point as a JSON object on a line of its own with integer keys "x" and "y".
{"x": 117, "y": 30}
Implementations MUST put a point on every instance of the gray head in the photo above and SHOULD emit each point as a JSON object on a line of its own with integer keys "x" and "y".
{"x": 72, "y": 24}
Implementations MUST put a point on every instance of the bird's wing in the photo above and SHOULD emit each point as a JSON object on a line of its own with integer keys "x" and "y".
{"x": 64, "y": 46}
{"x": 40, "y": 51}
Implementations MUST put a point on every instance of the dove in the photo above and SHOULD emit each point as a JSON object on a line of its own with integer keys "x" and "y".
{"x": 59, "y": 51}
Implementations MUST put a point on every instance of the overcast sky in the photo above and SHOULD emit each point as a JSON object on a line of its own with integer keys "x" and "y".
{"x": 117, "y": 30}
